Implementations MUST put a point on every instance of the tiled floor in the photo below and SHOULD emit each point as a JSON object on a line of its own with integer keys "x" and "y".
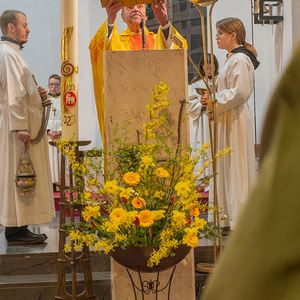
{"x": 50, "y": 245}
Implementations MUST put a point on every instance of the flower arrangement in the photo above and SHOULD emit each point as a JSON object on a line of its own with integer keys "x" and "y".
{"x": 143, "y": 201}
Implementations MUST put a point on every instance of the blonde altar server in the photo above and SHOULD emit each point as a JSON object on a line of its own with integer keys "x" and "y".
{"x": 236, "y": 171}
{"x": 20, "y": 120}
{"x": 108, "y": 38}
{"x": 54, "y": 125}
{"x": 261, "y": 258}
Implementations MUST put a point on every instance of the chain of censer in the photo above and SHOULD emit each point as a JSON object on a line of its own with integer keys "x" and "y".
{"x": 46, "y": 105}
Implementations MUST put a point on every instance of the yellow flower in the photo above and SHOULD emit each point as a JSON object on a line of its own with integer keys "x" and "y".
{"x": 158, "y": 195}
{"x": 111, "y": 186}
{"x": 118, "y": 215}
{"x": 157, "y": 215}
{"x": 182, "y": 188}
{"x": 132, "y": 178}
{"x": 147, "y": 161}
{"x": 75, "y": 235}
{"x": 191, "y": 241}
{"x": 87, "y": 196}
{"x": 179, "y": 218}
{"x": 138, "y": 202}
{"x": 111, "y": 227}
{"x": 91, "y": 211}
{"x": 146, "y": 219}
{"x": 67, "y": 247}
{"x": 162, "y": 173}
{"x": 126, "y": 193}
{"x": 131, "y": 215}
{"x": 194, "y": 210}
{"x": 199, "y": 223}
{"x": 78, "y": 247}
{"x": 191, "y": 231}
{"x": 188, "y": 168}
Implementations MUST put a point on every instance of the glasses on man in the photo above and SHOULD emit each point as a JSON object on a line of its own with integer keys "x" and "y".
{"x": 54, "y": 84}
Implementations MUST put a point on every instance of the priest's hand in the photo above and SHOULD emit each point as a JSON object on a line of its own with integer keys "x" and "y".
{"x": 160, "y": 12}
{"x": 112, "y": 10}
{"x": 24, "y": 137}
{"x": 203, "y": 100}
{"x": 43, "y": 92}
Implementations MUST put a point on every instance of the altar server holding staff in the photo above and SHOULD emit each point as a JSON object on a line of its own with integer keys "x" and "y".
{"x": 236, "y": 171}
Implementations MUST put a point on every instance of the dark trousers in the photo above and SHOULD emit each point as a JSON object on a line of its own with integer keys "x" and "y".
{"x": 13, "y": 231}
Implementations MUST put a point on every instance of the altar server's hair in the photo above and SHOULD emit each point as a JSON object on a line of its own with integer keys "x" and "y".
{"x": 235, "y": 25}
{"x": 201, "y": 67}
{"x": 9, "y": 16}
{"x": 55, "y": 76}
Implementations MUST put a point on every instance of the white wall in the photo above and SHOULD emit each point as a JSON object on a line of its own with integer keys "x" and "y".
{"x": 42, "y": 51}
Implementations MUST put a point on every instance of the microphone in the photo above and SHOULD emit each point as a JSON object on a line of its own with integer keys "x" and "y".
{"x": 143, "y": 34}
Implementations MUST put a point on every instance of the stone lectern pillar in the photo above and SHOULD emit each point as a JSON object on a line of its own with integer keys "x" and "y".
{"x": 128, "y": 80}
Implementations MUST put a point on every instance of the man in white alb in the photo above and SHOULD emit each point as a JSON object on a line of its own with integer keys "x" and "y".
{"x": 20, "y": 121}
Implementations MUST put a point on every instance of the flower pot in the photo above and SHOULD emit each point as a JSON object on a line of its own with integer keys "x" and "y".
{"x": 134, "y": 258}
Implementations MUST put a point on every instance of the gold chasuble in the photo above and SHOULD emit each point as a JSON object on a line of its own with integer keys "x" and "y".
{"x": 126, "y": 41}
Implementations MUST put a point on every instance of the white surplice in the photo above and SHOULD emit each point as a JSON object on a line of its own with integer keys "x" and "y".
{"x": 236, "y": 171}
{"x": 199, "y": 133}
{"x": 199, "y": 123}
{"x": 21, "y": 109}
{"x": 54, "y": 123}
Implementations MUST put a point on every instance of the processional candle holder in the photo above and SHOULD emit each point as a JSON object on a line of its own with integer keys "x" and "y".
{"x": 211, "y": 98}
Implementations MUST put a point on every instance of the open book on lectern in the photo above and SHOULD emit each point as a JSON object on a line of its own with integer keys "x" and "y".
{"x": 127, "y": 3}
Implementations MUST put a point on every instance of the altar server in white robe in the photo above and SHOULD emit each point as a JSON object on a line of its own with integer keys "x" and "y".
{"x": 54, "y": 125}
{"x": 261, "y": 259}
{"x": 20, "y": 120}
{"x": 199, "y": 123}
{"x": 236, "y": 171}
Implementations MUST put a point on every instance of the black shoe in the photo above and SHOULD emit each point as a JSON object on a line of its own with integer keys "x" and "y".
{"x": 27, "y": 238}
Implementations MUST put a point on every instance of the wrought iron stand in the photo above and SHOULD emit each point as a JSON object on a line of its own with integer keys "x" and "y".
{"x": 150, "y": 286}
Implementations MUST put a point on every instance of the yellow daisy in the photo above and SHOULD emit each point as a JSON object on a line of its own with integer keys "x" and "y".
{"x": 138, "y": 202}
{"x": 162, "y": 173}
{"x": 194, "y": 210}
{"x": 132, "y": 178}
{"x": 146, "y": 219}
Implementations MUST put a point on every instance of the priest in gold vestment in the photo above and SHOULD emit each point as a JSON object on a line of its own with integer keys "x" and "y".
{"x": 107, "y": 38}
